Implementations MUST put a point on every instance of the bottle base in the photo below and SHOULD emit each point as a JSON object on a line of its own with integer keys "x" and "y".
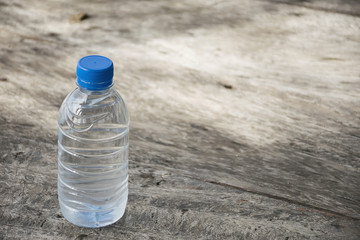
{"x": 93, "y": 219}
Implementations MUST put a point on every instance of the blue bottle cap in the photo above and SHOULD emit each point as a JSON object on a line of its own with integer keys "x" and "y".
{"x": 95, "y": 73}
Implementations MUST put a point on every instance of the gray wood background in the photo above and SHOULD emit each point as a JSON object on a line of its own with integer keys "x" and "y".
{"x": 245, "y": 115}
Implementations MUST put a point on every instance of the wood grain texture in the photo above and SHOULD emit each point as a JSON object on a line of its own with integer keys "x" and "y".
{"x": 245, "y": 115}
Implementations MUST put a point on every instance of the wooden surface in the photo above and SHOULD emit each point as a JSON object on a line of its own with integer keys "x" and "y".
{"x": 245, "y": 115}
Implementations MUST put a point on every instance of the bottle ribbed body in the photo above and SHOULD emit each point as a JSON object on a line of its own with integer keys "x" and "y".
{"x": 93, "y": 142}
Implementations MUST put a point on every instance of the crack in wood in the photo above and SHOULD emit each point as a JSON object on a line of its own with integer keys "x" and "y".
{"x": 317, "y": 8}
{"x": 313, "y": 208}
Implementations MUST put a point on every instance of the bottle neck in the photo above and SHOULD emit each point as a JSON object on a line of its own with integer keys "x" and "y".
{"x": 94, "y": 92}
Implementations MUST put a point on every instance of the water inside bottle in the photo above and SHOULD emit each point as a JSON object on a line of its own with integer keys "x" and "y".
{"x": 93, "y": 161}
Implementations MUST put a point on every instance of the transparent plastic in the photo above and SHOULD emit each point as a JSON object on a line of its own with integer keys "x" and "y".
{"x": 93, "y": 141}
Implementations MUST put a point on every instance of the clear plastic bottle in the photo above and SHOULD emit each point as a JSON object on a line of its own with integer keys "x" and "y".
{"x": 93, "y": 141}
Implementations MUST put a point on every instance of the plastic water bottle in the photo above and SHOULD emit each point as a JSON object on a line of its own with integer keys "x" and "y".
{"x": 93, "y": 141}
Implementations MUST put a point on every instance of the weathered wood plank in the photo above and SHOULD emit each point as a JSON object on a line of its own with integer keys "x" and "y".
{"x": 245, "y": 115}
